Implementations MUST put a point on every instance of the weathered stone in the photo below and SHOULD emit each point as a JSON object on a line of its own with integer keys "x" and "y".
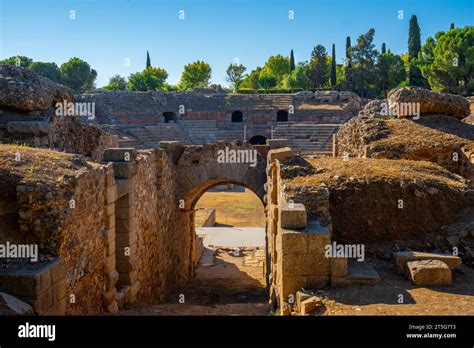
{"x": 310, "y": 305}
{"x": 120, "y": 155}
{"x": 281, "y": 154}
{"x": 293, "y": 215}
{"x": 36, "y": 128}
{"x": 428, "y": 272}
{"x": 22, "y": 89}
{"x": 431, "y": 102}
{"x": 402, "y": 257}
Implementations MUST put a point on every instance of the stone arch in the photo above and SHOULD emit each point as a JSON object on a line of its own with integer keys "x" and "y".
{"x": 237, "y": 116}
{"x": 258, "y": 140}
{"x": 282, "y": 116}
{"x": 199, "y": 168}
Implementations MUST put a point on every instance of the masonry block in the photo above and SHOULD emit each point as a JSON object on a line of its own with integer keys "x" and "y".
{"x": 277, "y": 143}
{"x": 305, "y": 265}
{"x": 120, "y": 155}
{"x": 124, "y": 170}
{"x": 291, "y": 242}
{"x": 338, "y": 267}
{"x": 293, "y": 215}
{"x": 111, "y": 194}
{"x": 282, "y": 154}
{"x": 428, "y": 272}
{"x": 402, "y": 257}
{"x": 289, "y": 285}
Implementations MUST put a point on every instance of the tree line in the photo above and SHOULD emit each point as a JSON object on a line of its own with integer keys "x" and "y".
{"x": 444, "y": 63}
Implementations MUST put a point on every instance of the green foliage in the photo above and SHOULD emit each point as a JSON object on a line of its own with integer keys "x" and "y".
{"x": 252, "y": 81}
{"x": 48, "y": 70}
{"x": 363, "y": 69}
{"x": 277, "y": 66}
{"x": 333, "y": 67}
{"x": 195, "y": 75}
{"x": 78, "y": 75}
{"x": 20, "y": 61}
{"x": 235, "y": 75}
{"x": 298, "y": 79}
{"x": 318, "y": 69}
{"x": 391, "y": 72}
{"x": 150, "y": 79}
{"x": 116, "y": 83}
{"x": 448, "y": 61}
{"x": 267, "y": 81}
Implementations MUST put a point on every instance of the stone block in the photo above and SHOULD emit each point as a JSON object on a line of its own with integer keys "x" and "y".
{"x": 109, "y": 209}
{"x": 289, "y": 285}
{"x": 338, "y": 267}
{"x": 110, "y": 248}
{"x": 282, "y": 154}
{"x": 124, "y": 170}
{"x": 277, "y": 143}
{"x": 109, "y": 264}
{"x": 300, "y": 297}
{"x": 110, "y": 222}
{"x": 125, "y": 225}
{"x": 120, "y": 155}
{"x": 293, "y": 215}
{"x": 310, "y": 305}
{"x": 428, "y": 272}
{"x": 305, "y": 265}
{"x": 111, "y": 194}
{"x": 124, "y": 187}
{"x": 317, "y": 242}
{"x": 402, "y": 257}
{"x": 111, "y": 279}
{"x": 109, "y": 235}
{"x": 291, "y": 242}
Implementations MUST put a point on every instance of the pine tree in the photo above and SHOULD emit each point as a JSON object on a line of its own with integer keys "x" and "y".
{"x": 383, "y": 48}
{"x": 333, "y": 67}
{"x": 292, "y": 61}
{"x": 148, "y": 62}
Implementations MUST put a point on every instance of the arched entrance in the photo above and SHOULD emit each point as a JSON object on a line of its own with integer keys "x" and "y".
{"x": 258, "y": 140}
{"x": 169, "y": 116}
{"x": 237, "y": 116}
{"x": 282, "y": 116}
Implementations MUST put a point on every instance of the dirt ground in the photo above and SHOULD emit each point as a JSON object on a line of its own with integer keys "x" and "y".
{"x": 227, "y": 288}
{"x": 230, "y": 288}
{"x": 242, "y": 209}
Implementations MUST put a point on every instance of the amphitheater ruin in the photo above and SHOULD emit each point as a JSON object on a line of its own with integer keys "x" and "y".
{"x": 110, "y": 200}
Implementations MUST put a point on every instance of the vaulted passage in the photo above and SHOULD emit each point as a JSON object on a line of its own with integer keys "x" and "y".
{"x": 258, "y": 140}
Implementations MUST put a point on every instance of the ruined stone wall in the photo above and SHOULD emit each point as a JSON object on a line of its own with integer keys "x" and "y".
{"x": 66, "y": 220}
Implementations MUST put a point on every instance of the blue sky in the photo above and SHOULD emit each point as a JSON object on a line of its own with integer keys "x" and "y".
{"x": 107, "y": 32}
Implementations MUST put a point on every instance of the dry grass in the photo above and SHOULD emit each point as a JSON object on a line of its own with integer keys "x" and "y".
{"x": 357, "y": 169}
{"x": 40, "y": 164}
{"x": 242, "y": 209}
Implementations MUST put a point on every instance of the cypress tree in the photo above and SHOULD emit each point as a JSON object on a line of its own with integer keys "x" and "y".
{"x": 414, "y": 38}
{"x": 452, "y": 26}
{"x": 292, "y": 61}
{"x": 383, "y": 48}
{"x": 414, "y": 46}
{"x": 348, "y": 64}
{"x": 333, "y": 67}
{"x": 148, "y": 62}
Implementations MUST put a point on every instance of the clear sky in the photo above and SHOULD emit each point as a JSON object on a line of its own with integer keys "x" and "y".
{"x": 107, "y": 32}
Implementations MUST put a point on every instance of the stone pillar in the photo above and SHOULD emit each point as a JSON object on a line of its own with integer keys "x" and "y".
{"x": 125, "y": 245}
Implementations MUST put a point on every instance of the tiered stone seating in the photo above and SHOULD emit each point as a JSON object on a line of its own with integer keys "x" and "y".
{"x": 307, "y": 138}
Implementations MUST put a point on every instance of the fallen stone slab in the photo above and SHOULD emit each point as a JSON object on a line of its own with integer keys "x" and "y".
{"x": 430, "y": 102}
{"x": 310, "y": 305}
{"x": 10, "y": 305}
{"x": 402, "y": 257}
{"x": 428, "y": 272}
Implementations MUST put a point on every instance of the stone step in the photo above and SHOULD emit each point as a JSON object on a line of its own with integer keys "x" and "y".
{"x": 358, "y": 273}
